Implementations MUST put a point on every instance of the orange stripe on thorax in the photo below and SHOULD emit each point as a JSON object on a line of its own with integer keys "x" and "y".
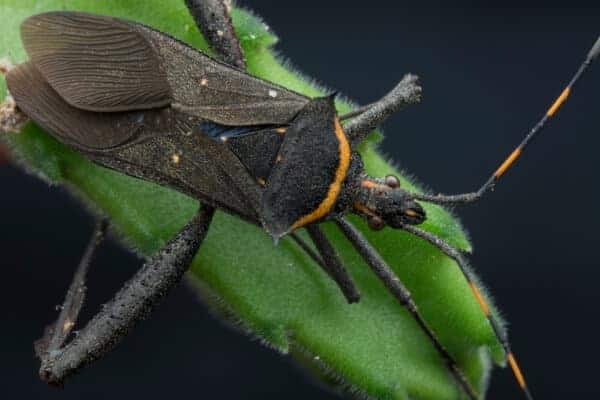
{"x": 336, "y": 186}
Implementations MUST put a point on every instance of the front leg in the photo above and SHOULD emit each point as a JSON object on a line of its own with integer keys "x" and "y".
{"x": 133, "y": 303}
{"x": 333, "y": 265}
{"x": 365, "y": 119}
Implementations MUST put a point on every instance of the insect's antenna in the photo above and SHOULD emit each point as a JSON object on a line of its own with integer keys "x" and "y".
{"x": 516, "y": 153}
{"x": 462, "y": 264}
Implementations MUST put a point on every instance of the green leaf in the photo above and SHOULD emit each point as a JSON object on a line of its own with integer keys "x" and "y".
{"x": 276, "y": 292}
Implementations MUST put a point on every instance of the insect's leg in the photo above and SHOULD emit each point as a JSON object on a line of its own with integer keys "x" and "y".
{"x": 57, "y": 333}
{"x": 333, "y": 265}
{"x": 214, "y": 21}
{"x": 138, "y": 297}
{"x": 401, "y": 293}
{"x": 362, "y": 121}
{"x": 330, "y": 263}
{"x": 516, "y": 153}
{"x": 462, "y": 264}
{"x": 307, "y": 249}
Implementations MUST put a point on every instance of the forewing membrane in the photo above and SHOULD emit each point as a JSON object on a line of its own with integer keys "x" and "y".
{"x": 96, "y": 63}
{"x": 82, "y": 129}
{"x": 221, "y": 93}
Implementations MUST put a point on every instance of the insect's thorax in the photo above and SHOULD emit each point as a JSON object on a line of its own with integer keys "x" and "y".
{"x": 306, "y": 169}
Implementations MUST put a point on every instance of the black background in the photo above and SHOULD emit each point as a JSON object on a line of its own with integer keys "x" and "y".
{"x": 489, "y": 69}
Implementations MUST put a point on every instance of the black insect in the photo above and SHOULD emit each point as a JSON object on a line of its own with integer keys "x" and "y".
{"x": 139, "y": 101}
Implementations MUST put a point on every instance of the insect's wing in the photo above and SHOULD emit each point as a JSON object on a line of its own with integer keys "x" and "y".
{"x": 106, "y": 64}
{"x": 314, "y": 159}
{"x": 96, "y": 63}
{"x": 84, "y": 130}
{"x": 157, "y": 145}
{"x": 219, "y": 92}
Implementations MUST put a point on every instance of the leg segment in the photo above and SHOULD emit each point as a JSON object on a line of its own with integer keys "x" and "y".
{"x": 365, "y": 119}
{"x": 131, "y": 304}
{"x": 462, "y": 264}
{"x": 332, "y": 264}
{"x": 516, "y": 153}
{"x": 307, "y": 249}
{"x": 56, "y": 334}
{"x": 213, "y": 19}
{"x": 401, "y": 293}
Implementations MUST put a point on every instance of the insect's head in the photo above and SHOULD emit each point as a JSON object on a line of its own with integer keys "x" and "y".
{"x": 383, "y": 202}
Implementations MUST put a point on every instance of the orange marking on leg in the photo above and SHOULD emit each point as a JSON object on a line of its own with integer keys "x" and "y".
{"x": 480, "y": 299}
{"x": 508, "y": 162}
{"x": 559, "y": 101}
{"x": 336, "y": 186}
{"x": 516, "y": 370}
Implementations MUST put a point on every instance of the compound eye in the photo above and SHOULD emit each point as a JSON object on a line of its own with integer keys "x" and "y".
{"x": 375, "y": 223}
{"x": 392, "y": 181}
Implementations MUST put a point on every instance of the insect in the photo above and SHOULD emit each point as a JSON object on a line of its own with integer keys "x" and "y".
{"x": 254, "y": 149}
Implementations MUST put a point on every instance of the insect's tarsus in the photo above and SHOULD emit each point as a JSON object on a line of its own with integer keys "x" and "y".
{"x": 56, "y": 334}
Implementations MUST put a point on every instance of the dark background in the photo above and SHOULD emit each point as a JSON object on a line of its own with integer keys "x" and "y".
{"x": 489, "y": 69}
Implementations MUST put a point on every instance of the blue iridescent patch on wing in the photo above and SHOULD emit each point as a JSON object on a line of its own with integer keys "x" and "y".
{"x": 220, "y": 132}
